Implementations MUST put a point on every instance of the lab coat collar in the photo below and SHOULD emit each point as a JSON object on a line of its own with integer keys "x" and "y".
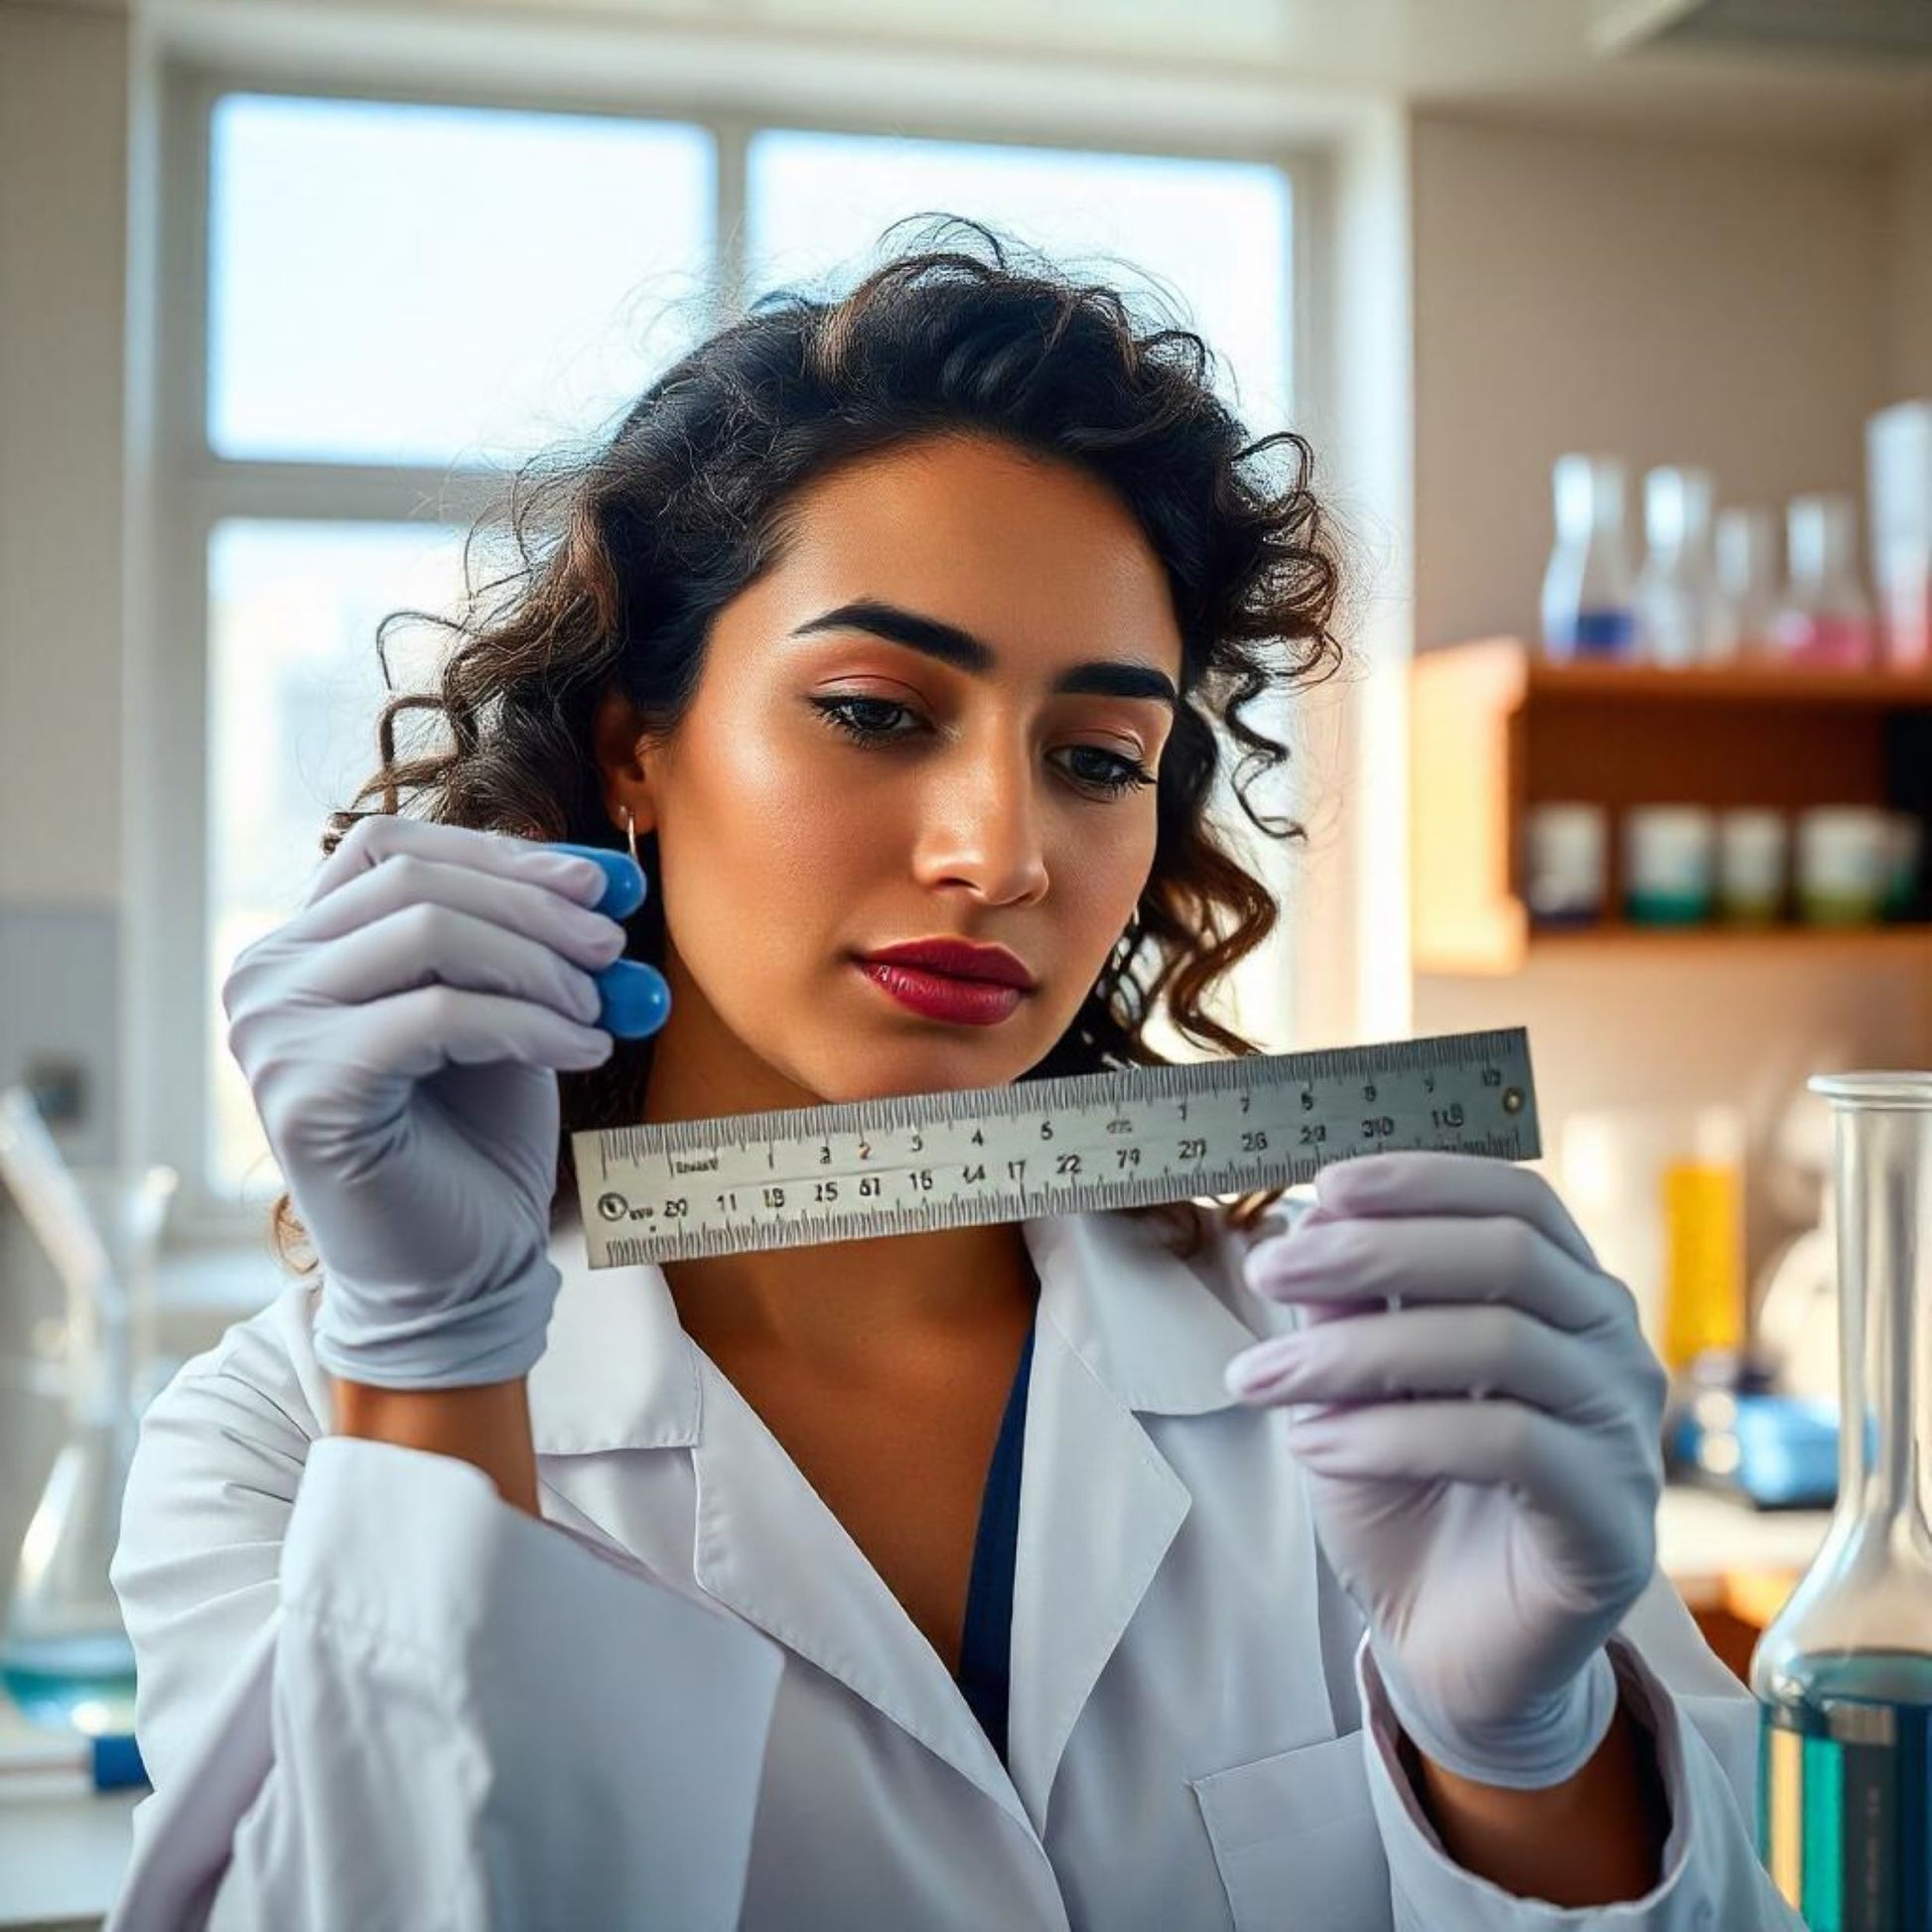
{"x": 1124, "y": 1329}
{"x": 620, "y": 1372}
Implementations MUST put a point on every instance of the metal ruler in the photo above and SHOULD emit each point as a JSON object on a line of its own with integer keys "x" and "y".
{"x": 1128, "y": 1138}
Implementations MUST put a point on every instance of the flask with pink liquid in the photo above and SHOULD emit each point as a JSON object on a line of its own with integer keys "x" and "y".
{"x": 1824, "y": 620}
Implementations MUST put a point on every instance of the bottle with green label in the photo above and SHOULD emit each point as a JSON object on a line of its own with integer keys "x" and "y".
{"x": 1843, "y": 1673}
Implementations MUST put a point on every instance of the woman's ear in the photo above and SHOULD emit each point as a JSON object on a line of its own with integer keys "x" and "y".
{"x": 618, "y": 744}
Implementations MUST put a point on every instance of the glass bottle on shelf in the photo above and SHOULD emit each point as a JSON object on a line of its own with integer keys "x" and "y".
{"x": 1674, "y": 590}
{"x": 1587, "y": 606}
{"x": 1824, "y": 620}
{"x": 1746, "y": 601}
{"x": 1843, "y": 1673}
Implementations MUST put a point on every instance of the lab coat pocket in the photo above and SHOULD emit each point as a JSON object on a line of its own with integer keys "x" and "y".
{"x": 1295, "y": 1841}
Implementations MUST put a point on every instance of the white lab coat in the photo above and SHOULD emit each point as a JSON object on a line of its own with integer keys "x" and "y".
{"x": 373, "y": 1695}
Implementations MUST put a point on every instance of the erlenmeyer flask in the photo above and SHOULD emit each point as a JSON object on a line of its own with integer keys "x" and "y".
{"x": 1844, "y": 1671}
{"x": 1586, "y": 610}
{"x": 65, "y": 1657}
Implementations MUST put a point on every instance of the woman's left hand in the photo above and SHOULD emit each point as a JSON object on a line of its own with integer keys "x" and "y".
{"x": 1480, "y": 1418}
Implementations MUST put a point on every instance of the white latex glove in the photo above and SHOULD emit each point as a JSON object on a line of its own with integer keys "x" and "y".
{"x": 1482, "y": 1441}
{"x": 402, "y": 1035}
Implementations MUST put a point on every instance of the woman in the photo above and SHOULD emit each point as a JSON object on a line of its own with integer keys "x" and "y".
{"x": 1081, "y": 1571}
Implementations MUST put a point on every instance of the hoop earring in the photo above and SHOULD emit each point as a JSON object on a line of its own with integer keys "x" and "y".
{"x": 630, "y": 838}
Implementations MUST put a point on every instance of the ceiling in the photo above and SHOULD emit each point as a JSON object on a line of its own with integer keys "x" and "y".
{"x": 1816, "y": 73}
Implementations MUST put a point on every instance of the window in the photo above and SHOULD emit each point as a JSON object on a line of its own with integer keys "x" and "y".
{"x": 292, "y": 610}
{"x": 433, "y": 285}
{"x": 391, "y": 304}
{"x": 1217, "y": 234}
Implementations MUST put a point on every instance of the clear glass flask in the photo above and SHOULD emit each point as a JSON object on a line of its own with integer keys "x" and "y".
{"x": 1675, "y": 590}
{"x": 1825, "y": 621}
{"x": 1587, "y": 606}
{"x": 1748, "y": 582}
{"x": 65, "y": 1657}
{"x": 1843, "y": 1673}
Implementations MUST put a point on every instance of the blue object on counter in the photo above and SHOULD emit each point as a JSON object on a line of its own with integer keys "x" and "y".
{"x": 117, "y": 1762}
{"x": 1778, "y": 1451}
{"x": 110, "y": 1764}
{"x": 634, "y": 997}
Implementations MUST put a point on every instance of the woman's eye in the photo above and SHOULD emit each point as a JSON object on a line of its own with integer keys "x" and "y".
{"x": 1106, "y": 771}
{"x": 886, "y": 719}
{"x": 863, "y": 716}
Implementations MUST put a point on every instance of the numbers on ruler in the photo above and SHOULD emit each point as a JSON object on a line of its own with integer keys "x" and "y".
{"x": 1130, "y": 1124}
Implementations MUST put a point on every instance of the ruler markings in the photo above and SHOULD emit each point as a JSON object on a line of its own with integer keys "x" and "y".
{"x": 1462, "y": 1092}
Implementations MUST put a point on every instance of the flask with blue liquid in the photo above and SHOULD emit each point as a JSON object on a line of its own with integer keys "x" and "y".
{"x": 1588, "y": 606}
{"x": 1843, "y": 1673}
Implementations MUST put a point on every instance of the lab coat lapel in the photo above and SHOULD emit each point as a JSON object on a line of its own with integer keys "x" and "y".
{"x": 767, "y": 1545}
{"x": 1123, "y": 1327}
{"x": 620, "y": 1372}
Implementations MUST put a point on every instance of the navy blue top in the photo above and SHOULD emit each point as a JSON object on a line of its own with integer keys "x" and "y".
{"x": 986, "y": 1642}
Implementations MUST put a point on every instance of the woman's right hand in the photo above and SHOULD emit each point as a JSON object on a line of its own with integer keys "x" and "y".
{"x": 403, "y": 1035}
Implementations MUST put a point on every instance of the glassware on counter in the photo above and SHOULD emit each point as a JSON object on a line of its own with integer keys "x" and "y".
{"x": 1746, "y": 601}
{"x": 65, "y": 1656}
{"x": 1844, "y": 863}
{"x": 1564, "y": 870}
{"x": 1898, "y": 478}
{"x": 1669, "y": 854}
{"x": 1844, "y": 1673}
{"x": 1750, "y": 866}
{"x": 1586, "y": 608}
{"x": 1703, "y": 1241}
{"x": 1823, "y": 621}
{"x": 1675, "y": 589}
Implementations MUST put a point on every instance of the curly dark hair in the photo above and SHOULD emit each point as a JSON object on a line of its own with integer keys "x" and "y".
{"x": 624, "y": 556}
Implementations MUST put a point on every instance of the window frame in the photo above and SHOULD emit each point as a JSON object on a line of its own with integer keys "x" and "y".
{"x": 189, "y": 489}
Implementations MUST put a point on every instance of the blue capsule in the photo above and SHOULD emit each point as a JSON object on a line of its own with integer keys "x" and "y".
{"x": 625, "y": 892}
{"x": 634, "y": 999}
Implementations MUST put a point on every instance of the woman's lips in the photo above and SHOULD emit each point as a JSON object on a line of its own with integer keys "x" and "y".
{"x": 942, "y": 995}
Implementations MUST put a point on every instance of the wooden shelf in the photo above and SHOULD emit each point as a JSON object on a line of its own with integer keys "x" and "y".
{"x": 1495, "y": 730}
{"x": 1719, "y": 684}
{"x": 1876, "y": 942}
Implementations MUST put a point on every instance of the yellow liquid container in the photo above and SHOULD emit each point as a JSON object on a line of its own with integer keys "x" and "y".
{"x": 1704, "y": 1257}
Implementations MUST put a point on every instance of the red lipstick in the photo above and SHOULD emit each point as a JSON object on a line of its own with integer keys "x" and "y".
{"x": 950, "y": 979}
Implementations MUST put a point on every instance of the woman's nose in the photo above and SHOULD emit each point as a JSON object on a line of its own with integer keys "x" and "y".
{"x": 984, "y": 826}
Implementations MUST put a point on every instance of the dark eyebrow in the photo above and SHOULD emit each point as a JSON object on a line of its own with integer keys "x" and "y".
{"x": 961, "y": 649}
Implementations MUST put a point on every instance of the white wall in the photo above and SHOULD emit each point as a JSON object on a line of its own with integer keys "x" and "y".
{"x": 64, "y": 99}
{"x": 1649, "y": 298}
{"x": 62, "y": 228}
{"x": 1908, "y": 363}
